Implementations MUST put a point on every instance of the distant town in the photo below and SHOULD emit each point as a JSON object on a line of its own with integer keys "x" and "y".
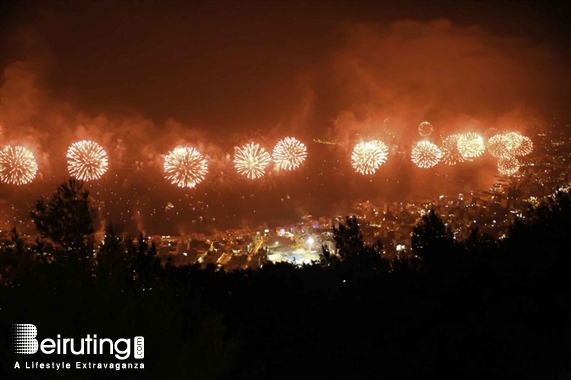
{"x": 491, "y": 210}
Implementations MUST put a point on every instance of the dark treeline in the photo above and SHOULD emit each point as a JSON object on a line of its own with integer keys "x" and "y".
{"x": 481, "y": 308}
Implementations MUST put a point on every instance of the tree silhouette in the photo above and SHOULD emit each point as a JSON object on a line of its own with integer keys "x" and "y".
{"x": 348, "y": 238}
{"x": 540, "y": 240}
{"x": 432, "y": 240}
{"x": 15, "y": 260}
{"x": 67, "y": 219}
{"x": 145, "y": 264}
{"x": 479, "y": 244}
{"x": 362, "y": 260}
{"x": 113, "y": 261}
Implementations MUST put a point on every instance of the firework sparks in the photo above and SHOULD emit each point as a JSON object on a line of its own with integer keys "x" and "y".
{"x": 251, "y": 160}
{"x": 425, "y": 128}
{"x": 490, "y": 132}
{"x": 505, "y": 145}
{"x": 450, "y": 153}
{"x": 388, "y": 128}
{"x": 426, "y": 154}
{"x": 498, "y": 146}
{"x": 442, "y": 133}
{"x": 508, "y": 166}
{"x": 513, "y": 140}
{"x": 368, "y": 156}
{"x": 471, "y": 145}
{"x": 185, "y": 167}
{"x": 289, "y": 153}
{"x": 17, "y": 165}
{"x": 86, "y": 160}
{"x": 524, "y": 148}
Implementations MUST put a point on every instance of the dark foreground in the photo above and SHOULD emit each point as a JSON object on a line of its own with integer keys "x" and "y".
{"x": 479, "y": 309}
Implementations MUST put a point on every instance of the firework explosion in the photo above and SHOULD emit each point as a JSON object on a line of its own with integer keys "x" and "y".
{"x": 524, "y": 148}
{"x": 425, "y": 128}
{"x": 388, "y": 128}
{"x": 289, "y": 153}
{"x": 368, "y": 156}
{"x": 513, "y": 140}
{"x": 498, "y": 147}
{"x": 86, "y": 160}
{"x": 17, "y": 165}
{"x": 506, "y": 145}
{"x": 251, "y": 160}
{"x": 471, "y": 145}
{"x": 426, "y": 154}
{"x": 442, "y": 134}
{"x": 508, "y": 166}
{"x": 490, "y": 132}
{"x": 185, "y": 167}
{"x": 450, "y": 153}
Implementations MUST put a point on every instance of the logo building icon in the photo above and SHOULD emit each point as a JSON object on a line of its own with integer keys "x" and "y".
{"x": 24, "y": 335}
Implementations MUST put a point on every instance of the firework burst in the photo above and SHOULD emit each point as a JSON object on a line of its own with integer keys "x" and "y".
{"x": 86, "y": 160}
{"x": 368, "y": 156}
{"x": 471, "y": 145}
{"x": 426, "y": 154}
{"x": 388, "y": 128}
{"x": 449, "y": 148}
{"x": 425, "y": 128}
{"x": 185, "y": 167}
{"x": 512, "y": 140}
{"x": 506, "y": 145}
{"x": 498, "y": 146}
{"x": 442, "y": 134}
{"x": 490, "y": 132}
{"x": 289, "y": 153}
{"x": 251, "y": 160}
{"x": 524, "y": 148}
{"x": 17, "y": 165}
{"x": 508, "y": 166}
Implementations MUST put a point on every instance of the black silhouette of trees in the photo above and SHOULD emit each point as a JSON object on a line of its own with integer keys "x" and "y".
{"x": 541, "y": 238}
{"x": 348, "y": 238}
{"x": 145, "y": 263}
{"x": 15, "y": 260}
{"x": 364, "y": 260}
{"x": 490, "y": 318}
{"x": 113, "y": 261}
{"x": 67, "y": 219}
{"x": 479, "y": 244}
{"x": 432, "y": 240}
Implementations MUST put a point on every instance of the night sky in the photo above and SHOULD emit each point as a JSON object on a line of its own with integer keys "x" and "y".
{"x": 141, "y": 78}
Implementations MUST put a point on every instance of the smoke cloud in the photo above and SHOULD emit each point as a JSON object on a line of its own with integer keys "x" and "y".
{"x": 336, "y": 81}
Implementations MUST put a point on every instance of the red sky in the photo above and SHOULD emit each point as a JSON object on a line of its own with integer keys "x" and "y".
{"x": 143, "y": 77}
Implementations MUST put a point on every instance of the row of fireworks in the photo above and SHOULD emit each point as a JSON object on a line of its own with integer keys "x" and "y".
{"x": 185, "y": 166}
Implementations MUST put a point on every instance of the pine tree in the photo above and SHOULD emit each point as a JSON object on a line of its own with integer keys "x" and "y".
{"x": 432, "y": 240}
{"x": 67, "y": 219}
